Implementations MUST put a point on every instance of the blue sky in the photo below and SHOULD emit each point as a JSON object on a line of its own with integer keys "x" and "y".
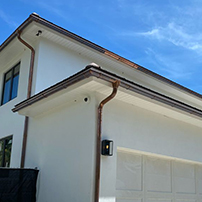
{"x": 163, "y": 36}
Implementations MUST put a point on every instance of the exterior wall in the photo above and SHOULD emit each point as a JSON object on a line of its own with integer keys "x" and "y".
{"x": 13, "y": 124}
{"x": 141, "y": 130}
{"x": 61, "y": 144}
{"x": 55, "y": 63}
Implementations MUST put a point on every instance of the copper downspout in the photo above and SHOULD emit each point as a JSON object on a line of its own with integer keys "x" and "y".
{"x": 99, "y": 134}
{"x": 24, "y": 144}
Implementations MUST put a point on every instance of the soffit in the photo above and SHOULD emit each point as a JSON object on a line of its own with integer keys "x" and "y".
{"x": 122, "y": 69}
{"x": 92, "y": 87}
{"x": 10, "y": 52}
{"x": 29, "y": 34}
{"x": 15, "y": 48}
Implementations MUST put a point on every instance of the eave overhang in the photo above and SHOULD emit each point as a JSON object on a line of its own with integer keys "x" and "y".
{"x": 129, "y": 88}
{"x": 37, "y": 19}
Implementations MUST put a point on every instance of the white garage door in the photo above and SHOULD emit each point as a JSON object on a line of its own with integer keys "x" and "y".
{"x": 144, "y": 178}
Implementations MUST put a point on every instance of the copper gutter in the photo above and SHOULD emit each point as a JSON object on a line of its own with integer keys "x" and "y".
{"x": 36, "y": 18}
{"x": 29, "y": 89}
{"x": 109, "y": 77}
{"x": 15, "y": 33}
{"x": 99, "y": 134}
{"x": 116, "y": 80}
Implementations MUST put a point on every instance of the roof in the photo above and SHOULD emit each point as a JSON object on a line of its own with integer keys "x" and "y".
{"x": 92, "y": 71}
{"x": 36, "y": 18}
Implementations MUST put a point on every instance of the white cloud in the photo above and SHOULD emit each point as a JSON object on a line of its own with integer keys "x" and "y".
{"x": 7, "y": 19}
{"x": 153, "y": 32}
{"x": 176, "y": 35}
{"x": 52, "y": 9}
{"x": 169, "y": 68}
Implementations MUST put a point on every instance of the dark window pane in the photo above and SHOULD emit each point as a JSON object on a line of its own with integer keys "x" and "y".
{"x": 15, "y": 87}
{"x": 17, "y": 69}
{"x": 8, "y": 146}
{"x": 1, "y": 153}
{"x": 6, "y": 95}
{"x": 10, "y": 86}
{"x": 8, "y": 75}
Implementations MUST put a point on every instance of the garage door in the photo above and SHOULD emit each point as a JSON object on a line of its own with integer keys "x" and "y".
{"x": 145, "y": 178}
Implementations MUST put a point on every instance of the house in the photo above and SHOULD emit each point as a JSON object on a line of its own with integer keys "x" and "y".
{"x": 61, "y": 95}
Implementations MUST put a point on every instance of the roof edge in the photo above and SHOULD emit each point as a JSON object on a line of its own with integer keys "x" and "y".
{"x": 35, "y": 17}
{"x": 20, "y": 28}
{"x": 109, "y": 77}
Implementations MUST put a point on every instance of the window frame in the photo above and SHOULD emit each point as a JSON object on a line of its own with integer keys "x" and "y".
{"x": 11, "y": 85}
{"x": 3, "y": 153}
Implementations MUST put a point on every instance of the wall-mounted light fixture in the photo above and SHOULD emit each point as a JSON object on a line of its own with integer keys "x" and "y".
{"x": 107, "y": 147}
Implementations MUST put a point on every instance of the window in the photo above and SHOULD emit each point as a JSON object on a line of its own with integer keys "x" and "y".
{"x": 5, "y": 151}
{"x": 10, "y": 85}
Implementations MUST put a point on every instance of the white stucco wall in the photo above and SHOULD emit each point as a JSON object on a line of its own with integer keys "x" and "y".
{"x": 61, "y": 144}
{"x": 10, "y": 123}
{"x": 56, "y": 63}
{"x": 141, "y": 130}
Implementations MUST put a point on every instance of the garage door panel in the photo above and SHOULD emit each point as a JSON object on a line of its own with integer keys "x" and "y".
{"x": 153, "y": 178}
{"x": 129, "y": 200}
{"x": 159, "y": 195}
{"x": 199, "y": 177}
{"x": 184, "y": 185}
{"x": 184, "y": 177}
{"x": 158, "y": 200}
{"x": 184, "y": 200}
{"x": 129, "y": 194}
{"x": 185, "y": 197}
{"x": 129, "y": 172}
{"x": 199, "y": 198}
{"x": 158, "y": 175}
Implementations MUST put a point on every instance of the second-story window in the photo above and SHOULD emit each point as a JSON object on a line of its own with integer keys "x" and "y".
{"x": 10, "y": 85}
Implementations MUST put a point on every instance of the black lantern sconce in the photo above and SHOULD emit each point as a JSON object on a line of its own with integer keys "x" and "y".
{"x": 107, "y": 147}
